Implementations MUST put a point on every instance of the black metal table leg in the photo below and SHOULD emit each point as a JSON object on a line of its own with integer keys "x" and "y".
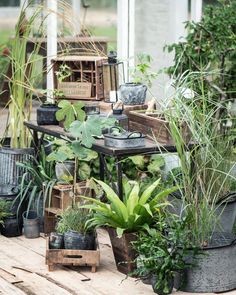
{"x": 119, "y": 177}
{"x": 101, "y": 167}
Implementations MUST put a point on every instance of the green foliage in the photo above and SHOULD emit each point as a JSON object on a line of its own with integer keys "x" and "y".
{"x": 142, "y": 73}
{"x": 36, "y": 183}
{"x": 4, "y": 210}
{"x": 210, "y": 50}
{"x": 133, "y": 212}
{"x": 70, "y": 112}
{"x": 21, "y": 82}
{"x": 63, "y": 73}
{"x": 163, "y": 250}
{"x": 85, "y": 131}
{"x": 73, "y": 219}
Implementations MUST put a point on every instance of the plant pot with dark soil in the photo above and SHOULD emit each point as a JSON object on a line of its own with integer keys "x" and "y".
{"x": 72, "y": 224}
{"x": 46, "y": 114}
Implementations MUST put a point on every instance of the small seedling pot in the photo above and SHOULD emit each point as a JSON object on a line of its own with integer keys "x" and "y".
{"x": 56, "y": 240}
{"x": 133, "y": 93}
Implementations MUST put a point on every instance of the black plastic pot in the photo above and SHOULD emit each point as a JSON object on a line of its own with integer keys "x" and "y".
{"x": 75, "y": 240}
{"x": 160, "y": 291}
{"x": 31, "y": 224}
{"x": 12, "y": 227}
{"x": 56, "y": 240}
{"x": 46, "y": 114}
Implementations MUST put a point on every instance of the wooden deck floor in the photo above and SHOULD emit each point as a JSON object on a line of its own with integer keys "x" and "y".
{"x": 23, "y": 271}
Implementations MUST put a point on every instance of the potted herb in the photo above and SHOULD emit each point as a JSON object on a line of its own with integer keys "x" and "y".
{"x": 134, "y": 93}
{"x": 125, "y": 218}
{"x": 4, "y": 210}
{"x": 72, "y": 224}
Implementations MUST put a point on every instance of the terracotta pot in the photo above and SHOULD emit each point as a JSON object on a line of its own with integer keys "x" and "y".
{"x": 123, "y": 252}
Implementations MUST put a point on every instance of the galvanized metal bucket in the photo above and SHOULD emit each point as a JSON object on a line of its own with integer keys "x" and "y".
{"x": 216, "y": 268}
{"x": 10, "y": 173}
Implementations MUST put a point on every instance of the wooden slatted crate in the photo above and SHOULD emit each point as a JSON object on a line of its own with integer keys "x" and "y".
{"x": 61, "y": 198}
{"x": 72, "y": 257}
{"x": 85, "y": 78}
{"x": 154, "y": 125}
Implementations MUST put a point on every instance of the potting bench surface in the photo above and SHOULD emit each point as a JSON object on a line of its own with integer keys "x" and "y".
{"x": 23, "y": 271}
{"x": 151, "y": 147}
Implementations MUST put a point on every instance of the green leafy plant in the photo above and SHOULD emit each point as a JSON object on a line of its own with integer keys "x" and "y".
{"x": 162, "y": 251}
{"x": 4, "y": 210}
{"x": 63, "y": 73}
{"x": 133, "y": 212}
{"x": 74, "y": 218}
{"x": 209, "y": 50}
{"x": 142, "y": 73}
{"x": 36, "y": 184}
{"x": 21, "y": 82}
{"x": 70, "y": 112}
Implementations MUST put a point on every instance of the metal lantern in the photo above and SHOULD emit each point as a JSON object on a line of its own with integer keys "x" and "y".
{"x": 113, "y": 74}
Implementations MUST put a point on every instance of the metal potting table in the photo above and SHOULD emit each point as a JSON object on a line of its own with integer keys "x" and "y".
{"x": 151, "y": 147}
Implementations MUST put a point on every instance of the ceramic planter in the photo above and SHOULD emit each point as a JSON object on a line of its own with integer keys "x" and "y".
{"x": 56, "y": 240}
{"x": 215, "y": 268}
{"x": 123, "y": 252}
{"x": 133, "y": 93}
{"x": 78, "y": 241}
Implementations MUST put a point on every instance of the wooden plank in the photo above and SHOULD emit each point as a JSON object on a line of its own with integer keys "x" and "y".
{"x": 9, "y": 277}
{"x": 8, "y": 289}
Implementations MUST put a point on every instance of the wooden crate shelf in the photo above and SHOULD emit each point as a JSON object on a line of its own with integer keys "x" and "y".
{"x": 86, "y": 79}
{"x": 72, "y": 257}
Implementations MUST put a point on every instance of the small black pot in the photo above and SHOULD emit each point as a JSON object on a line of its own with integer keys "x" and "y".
{"x": 160, "y": 291}
{"x": 46, "y": 114}
{"x": 75, "y": 240}
{"x": 12, "y": 227}
{"x": 56, "y": 240}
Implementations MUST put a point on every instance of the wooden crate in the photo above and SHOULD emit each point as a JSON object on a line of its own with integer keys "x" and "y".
{"x": 62, "y": 197}
{"x": 72, "y": 257}
{"x": 86, "y": 79}
{"x": 154, "y": 126}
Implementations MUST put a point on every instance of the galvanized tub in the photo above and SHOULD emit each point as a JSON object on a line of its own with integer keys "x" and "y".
{"x": 124, "y": 139}
{"x": 9, "y": 172}
{"x": 216, "y": 268}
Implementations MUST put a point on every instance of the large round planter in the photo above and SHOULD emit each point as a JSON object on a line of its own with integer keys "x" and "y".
{"x": 75, "y": 240}
{"x": 31, "y": 224}
{"x": 227, "y": 213}
{"x": 160, "y": 291}
{"x": 46, "y": 114}
{"x": 10, "y": 173}
{"x": 123, "y": 252}
{"x": 133, "y": 93}
{"x": 65, "y": 170}
{"x": 215, "y": 269}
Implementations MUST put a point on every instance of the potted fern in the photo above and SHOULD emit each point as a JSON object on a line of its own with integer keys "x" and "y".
{"x": 125, "y": 218}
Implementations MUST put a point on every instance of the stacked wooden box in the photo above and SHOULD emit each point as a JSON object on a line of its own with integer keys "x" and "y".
{"x": 85, "y": 81}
